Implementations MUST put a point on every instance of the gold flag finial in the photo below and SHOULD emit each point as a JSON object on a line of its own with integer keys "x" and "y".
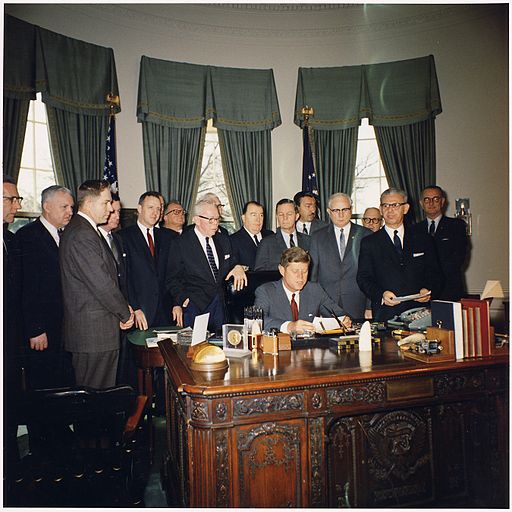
{"x": 307, "y": 112}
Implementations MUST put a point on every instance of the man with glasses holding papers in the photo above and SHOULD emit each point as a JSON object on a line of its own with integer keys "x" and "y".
{"x": 398, "y": 269}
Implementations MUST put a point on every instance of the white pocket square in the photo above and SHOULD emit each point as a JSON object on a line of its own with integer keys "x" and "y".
{"x": 227, "y": 256}
{"x": 417, "y": 254}
{"x": 445, "y": 239}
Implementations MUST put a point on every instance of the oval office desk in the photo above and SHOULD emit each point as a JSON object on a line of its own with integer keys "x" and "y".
{"x": 313, "y": 428}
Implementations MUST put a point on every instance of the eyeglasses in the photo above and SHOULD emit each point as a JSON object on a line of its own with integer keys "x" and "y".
{"x": 176, "y": 212}
{"x": 11, "y": 199}
{"x": 218, "y": 205}
{"x": 371, "y": 220}
{"x": 393, "y": 206}
{"x": 211, "y": 220}
{"x": 433, "y": 199}
{"x": 340, "y": 210}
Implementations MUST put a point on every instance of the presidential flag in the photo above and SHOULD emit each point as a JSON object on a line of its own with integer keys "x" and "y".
{"x": 309, "y": 183}
{"x": 110, "y": 167}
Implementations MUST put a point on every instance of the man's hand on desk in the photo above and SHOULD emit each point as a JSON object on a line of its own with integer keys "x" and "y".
{"x": 39, "y": 342}
{"x": 140, "y": 320}
{"x": 300, "y": 326}
{"x": 129, "y": 323}
{"x": 239, "y": 277}
{"x": 389, "y": 298}
{"x": 177, "y": 315}
{"x": 427, "y": 293}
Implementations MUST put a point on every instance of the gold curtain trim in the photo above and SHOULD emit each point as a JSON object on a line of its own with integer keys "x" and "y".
{"x": 73, "y": 103}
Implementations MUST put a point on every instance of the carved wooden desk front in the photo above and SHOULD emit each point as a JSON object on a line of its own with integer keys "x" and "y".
{"x": 311, "y": 428}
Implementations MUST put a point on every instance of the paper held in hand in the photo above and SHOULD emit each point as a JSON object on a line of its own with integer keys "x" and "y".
{"x": 412, "y": 297}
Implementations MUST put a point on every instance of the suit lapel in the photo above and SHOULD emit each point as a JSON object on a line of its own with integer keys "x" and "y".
{"x": 387, "y": 246}
{"x": 140, "y": 241}
{"x": 48, "y": 240}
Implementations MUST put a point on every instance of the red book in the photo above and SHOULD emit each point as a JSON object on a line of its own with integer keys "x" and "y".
{"x": 479, "y": 327}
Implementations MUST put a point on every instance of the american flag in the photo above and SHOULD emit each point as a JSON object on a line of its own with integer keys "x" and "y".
{"x": 110, "y": 167}
{"x": 309, "y": 183}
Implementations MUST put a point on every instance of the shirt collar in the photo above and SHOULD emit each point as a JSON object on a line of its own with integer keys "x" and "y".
{"x": 391, "y": 231}
{"x": 88, "y": 219}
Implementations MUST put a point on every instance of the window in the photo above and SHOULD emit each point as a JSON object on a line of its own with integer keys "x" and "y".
{"x": 36, "y": 171}
{"x": 212, "y": 175}
{"x": 370, "y": 180}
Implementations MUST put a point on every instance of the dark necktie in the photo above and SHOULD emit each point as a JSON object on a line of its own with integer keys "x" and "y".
{"x": 151, "y": 244}
{"x": 256, "y": 241}
{"x": 432, "y": 228}
{"x": 211, "y": 259}
{"x": 295, "y": 308}
{"x": 304, "y": 229}
{"x": 60, "y": 231}
{"x": 292, "y": 243}
{"x": 113, "y": 247}
{"x": 342, "y": 244}
{"x": 397, "y": 243}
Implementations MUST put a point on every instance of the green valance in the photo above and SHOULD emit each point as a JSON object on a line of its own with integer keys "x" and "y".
{"x": 19, "y": 59}
{"x": 182, "y": 95}
{"x": 74, "y": 75}
{"x": 243, "y": 99}
{"x": 388, "y": 94}
{"x": 172, "y": 93}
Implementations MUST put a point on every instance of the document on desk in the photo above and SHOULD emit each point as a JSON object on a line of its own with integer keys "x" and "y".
{"x": 412, "y": 297}
{"x": 152, "y": 342}
{"x": 325, "y": 323}
{"x": 200, "y": 327}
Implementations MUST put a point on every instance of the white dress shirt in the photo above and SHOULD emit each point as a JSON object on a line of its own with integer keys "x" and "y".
{"x": 284, "y": 325}
{"x": 391, "y": 233}
{"x": 202, "y": 241}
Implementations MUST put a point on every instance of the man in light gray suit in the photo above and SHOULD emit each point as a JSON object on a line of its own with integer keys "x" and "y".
{"x": 94, "y": 307}
{"x": 292, "y": 303}
{"x": 335, "y": 253}
{"x": 271, "y": 247}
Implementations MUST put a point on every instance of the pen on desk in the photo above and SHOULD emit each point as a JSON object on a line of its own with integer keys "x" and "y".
{"x": 322, "y": 324}
{"x": 335, "y": 316}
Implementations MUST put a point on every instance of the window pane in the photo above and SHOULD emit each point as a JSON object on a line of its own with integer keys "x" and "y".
{"x": 367, "y": 159}
{"x": 31, "y": 108}
{"x": 26, "y": 189}
{"x": 39, "y": 109}
{"x": 366, "y": 130}
{"x": 27, "y": 156}
{"x": 366, "y": 194}
{"x": 44, "y": 179}
{"x": 43, "y": 155}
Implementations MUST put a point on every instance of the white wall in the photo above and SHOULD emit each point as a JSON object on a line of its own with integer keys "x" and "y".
{"x": 469, "y": 43}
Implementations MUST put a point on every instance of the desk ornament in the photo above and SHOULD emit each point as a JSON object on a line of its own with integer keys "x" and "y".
{"x": 207, "y": 358}
{"x": 234, "y": 340}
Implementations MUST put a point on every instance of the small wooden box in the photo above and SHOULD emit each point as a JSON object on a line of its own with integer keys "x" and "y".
{"x": 446, "y": 338}
{"x": 285, "y": 342}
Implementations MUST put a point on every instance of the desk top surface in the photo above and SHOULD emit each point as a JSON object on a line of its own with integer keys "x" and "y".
{"x": 314, "y": 365}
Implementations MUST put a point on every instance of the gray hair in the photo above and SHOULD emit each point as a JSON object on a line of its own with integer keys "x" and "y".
{"x": 200, "y": 206}
{"x": 393, "y": 190}
{"x": 210, "y": 197}
{"x": 48, "y": 193}
{"x": 339, "y": 195}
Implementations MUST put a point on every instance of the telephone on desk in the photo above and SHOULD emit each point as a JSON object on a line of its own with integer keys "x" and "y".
{"x": 413, "y": 319}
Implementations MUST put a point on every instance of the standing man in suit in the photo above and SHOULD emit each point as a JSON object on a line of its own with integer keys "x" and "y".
{"x": 174, "y": 216}
{"x": 201, "y": 261}
{"x": 270, "y": 249}
{"x": 450, "y": 239}
{"x": 246, "y": 240}
{"x": 372, "y": 219}
{"x": 307, "y": 206}
{"x": 148, "y": 252}
{"x": 394, "y": 262}
{"x": 335, "y": 255}
{"x": 94, "y": 307}
{"x": 12, "y": 325}
{"x": 292, "y": 303}
{"x": 47, "y": 364}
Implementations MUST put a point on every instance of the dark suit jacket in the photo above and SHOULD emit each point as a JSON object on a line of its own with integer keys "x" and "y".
{"x": 272, "y": 298}
{"x": 93, "y": 302}
{"x": 146, "y": 275}
{"x": 316, "y": 225}
{"x": 338, "y": 278}
{"x": 122, "y": 265}
{"x": 270, "y": 249}
{"x": 381, "y": 269}
{"x": 244, "y": 247}
{"x": 42, "y": 292}
{"x": 452, "y": 244}
{"x": 189, "y": 274}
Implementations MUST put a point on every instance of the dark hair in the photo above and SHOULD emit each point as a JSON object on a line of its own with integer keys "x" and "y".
{"x": 435, "y": 187}
{"x": 285, "y": 201}
{"x": 299, "y": 195}
{"x": 150, "y": 193}
{"x": 115, "y": 196}
{"x": 91, "y": 188}
{"x": 246, "y": 205}
{"x": 294, "y": 255}
{"x": 9, "y": 179}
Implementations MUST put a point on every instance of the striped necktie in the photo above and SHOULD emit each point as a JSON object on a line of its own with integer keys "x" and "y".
{"x": 211, "y": 259}
{"x": 151, "y": 244}
{"x": 292, "y": 243}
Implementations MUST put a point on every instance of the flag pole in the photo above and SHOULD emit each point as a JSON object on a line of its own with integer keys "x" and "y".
{"x": 110, "y": 167}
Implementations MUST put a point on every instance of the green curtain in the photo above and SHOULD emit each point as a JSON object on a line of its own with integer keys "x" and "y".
{"x": 75, "y": 78}
{"x": 409, "y": 158}
{"x": 247, "y": 158}
{"x": 172, "y": 159}
{"x": 335, "y": 162}
{"x": 19, "y": 89}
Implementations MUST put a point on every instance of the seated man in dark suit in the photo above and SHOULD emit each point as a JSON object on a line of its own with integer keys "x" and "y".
{"x": 450, "y": 239}
{"x": 246, "y": 240}
{"x": 307, "y": 206}
{"x": 292, "y": 303}
{"x": 394, "y": 262}
{"x": 200, "y": 260}
{"x": 270, "y": 249}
